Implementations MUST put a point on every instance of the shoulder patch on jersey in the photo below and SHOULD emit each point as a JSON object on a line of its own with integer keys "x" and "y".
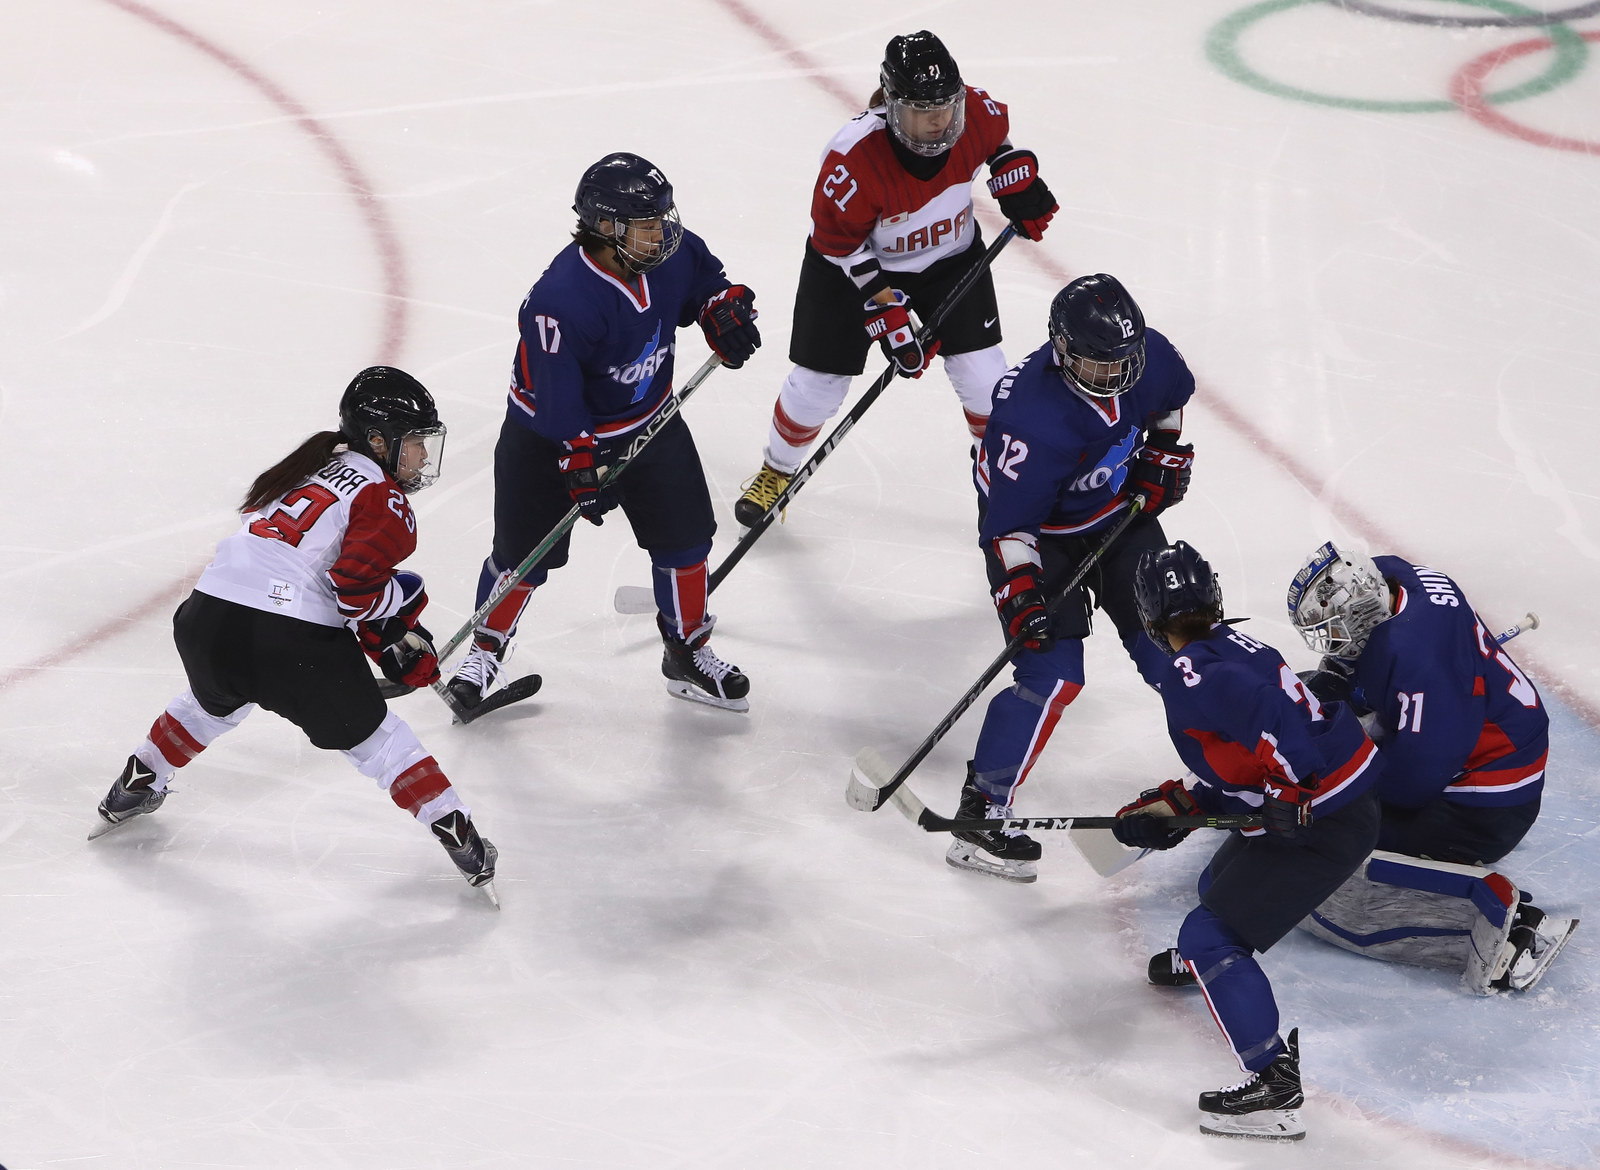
{"x": 856, "y": 130}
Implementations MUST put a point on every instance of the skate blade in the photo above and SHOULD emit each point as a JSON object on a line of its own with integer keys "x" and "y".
{"x": 1528, "y": 981}
{"x": 964, "y": 855}
{"x": 694, "y": 694}
{"x": 105, "y": 827}
{"x": 487, "y": 890}
{"x": 1272, "y": 1125}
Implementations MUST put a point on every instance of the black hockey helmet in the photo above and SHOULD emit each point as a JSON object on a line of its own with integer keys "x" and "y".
{"x": 921, "y": 83}
{"x": 386, "y": 403}
{"x": 1171, "y": 582}
{"x": 1098, "y": 334}
{"x": 617, "y": 191}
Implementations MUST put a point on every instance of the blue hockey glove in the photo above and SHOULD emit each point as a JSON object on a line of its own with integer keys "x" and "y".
{"x": 728, "y": 319}
{"x": 1135, "y": 827}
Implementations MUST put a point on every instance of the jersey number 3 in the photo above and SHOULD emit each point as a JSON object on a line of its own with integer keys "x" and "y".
{"x": 290, "y": 523}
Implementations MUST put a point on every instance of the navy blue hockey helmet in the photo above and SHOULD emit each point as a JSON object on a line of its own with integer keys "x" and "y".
{"x": 386, "y": 403}
{"x": 627, "y": 201}
{"x": 923, "y": 93}
{"x": 1171, "y": 582}
{"x": 1098, "y": 334}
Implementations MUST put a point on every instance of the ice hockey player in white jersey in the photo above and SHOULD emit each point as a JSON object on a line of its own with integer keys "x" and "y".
{"x": 892, "y": 230}
{"x": 282, "y": 615}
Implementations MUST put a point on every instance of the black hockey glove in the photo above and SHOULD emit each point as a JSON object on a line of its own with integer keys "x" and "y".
{"x": 728, "y": 319}
{"x": 890, "y": 325}
{"x": 579, "y": 477}
{"x": 1160, "y": 470}
{"x": 1021, "y": 193}
{"x": 1135, "y": 826}
{"x": 1286, "y": 807}
{"x": 1332, "y": 681}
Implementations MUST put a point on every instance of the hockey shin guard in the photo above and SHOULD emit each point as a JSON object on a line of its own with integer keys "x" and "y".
{"x": 184, "y": 730}
{"x": 397, "y": 762}
{"x": 1236, "y": 989}
{"x": 501, "y": 624}
{"x": 808, "y": 399}
{"x": 1021, "y": 719}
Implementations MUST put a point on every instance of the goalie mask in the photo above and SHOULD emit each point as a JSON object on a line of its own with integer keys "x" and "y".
{"x": 1336, "y": 600}
{"x": 924, "y": 99}
{"x": 383, "y": 403}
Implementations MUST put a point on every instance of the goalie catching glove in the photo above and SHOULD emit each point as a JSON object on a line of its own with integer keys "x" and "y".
{"x": 1021, "y": 193}
{"x": 729, "y": 321}
{"x": 400, "y": 645}
{"x": 1134, "y": 826}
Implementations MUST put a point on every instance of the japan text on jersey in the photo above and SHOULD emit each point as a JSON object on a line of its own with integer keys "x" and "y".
{"x": 596, "y": 352}
{"x": 1054, "y": 460}
{"x": 323, "y": 552}
{"x": 1461, "y": 718}
{"x": 1240, "y": 718}
{"x": 866, "y": 204}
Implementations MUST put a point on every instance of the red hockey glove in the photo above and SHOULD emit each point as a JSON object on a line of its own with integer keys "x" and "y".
{"x": 890, "y": 325}
{"x": 1286, "y": 807}
{"x": 1134, "y": 825}
{"x": 578, "y": 475}
{"x": 400, "y": 645}
{"x": 728, "y": 319}
{"x": 1021, "y": 193}
{"x": 1160, "y": 470}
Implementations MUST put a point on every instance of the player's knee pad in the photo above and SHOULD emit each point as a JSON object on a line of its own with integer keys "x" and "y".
{"x": 1210, "y": 944}
{"x": 501, "y": 622}
{"x": 388, "y": 752}
{"x": 182, "y": 732}
{"x": 973, "y": 375}
{"x": 1039, "y": 671}
{"x": 810, "y": 398}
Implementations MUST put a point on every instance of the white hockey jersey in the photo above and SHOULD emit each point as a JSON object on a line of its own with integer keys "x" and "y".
{"x": 323, "y": 552}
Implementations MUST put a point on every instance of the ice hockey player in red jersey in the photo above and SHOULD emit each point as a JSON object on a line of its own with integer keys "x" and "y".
{"x": 282, "y": 615}
{"x": 892, "y": 229}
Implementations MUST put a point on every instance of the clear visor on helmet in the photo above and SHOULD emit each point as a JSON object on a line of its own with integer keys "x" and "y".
{"x": 421, "y": 459}
{"x": 1096, "y": 378}
{"x": 644, "y": 243}
{"x": 927, "y": 128}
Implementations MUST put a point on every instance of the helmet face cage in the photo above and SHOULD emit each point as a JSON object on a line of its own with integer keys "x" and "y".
{"x": 1336, "y": 600}
{"x": 909, "y": 119}
{"x": 642, "y": 244}
{"x": 1097, "y": 377}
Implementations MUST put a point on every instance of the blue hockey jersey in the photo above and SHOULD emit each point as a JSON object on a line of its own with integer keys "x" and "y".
{"x": 1054, "y": 459}
{"x": 1458, "y": 715}
{"x": 1239, "y": 718}
{"x": 596, "y": 352}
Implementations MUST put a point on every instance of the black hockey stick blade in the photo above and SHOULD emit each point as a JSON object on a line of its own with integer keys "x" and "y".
{"x": 925, "y": 818}
{"x": 390, "y": 689}
{"x": 513, "y": 692}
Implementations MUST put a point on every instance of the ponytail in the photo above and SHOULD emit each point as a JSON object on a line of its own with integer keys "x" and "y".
{"x": 292, "y": 470}
{"x": 877, "y": 98}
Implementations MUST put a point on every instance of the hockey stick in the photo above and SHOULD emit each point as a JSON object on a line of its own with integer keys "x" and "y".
{"x": 863, "y": 795}
{"x": 528, "y": 684}
{"x": 1107, "y": 855}
{"x": 874, "y": 770}
{"x": 637, "y": 599}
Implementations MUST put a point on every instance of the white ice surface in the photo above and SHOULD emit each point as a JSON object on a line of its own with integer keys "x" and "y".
{"x": 704, "y": 958}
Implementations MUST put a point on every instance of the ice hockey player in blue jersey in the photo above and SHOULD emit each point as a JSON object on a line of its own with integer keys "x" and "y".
{"x": 1082, "y": 425}
{"x": 1464, "y": 737}
{"x": 594, "y": 365}
{"x": 1256, "y": 741}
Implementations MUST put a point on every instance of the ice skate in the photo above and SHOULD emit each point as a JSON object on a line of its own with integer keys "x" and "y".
{"x": 130, "y": 796}
{"x": 1537, "y": 938}
{"x": 476, "y": 675}
{"x": 1167, "y": 969}
{"x": 1264, "y": 1106}
{"x": 474, "y": 856}
{"x": 759, "y": 495}
{"x": 694, "y": 672}
{"x": 1008, "y": 854}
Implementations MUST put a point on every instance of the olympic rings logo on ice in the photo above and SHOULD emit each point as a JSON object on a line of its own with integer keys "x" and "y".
{"x": 1568, "y": 48}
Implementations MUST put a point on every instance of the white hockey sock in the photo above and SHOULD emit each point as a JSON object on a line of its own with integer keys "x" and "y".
{"x": 808, "y": 399}
{"x": 184, "y": 730}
